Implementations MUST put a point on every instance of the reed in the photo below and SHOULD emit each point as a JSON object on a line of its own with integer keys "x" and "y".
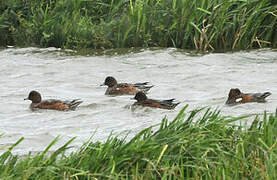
{"x": 196, "y": 24}
{"x": 201, "y": 144}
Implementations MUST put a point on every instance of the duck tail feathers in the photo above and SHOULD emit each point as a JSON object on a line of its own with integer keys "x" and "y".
{"x": 74, "y": 103}
{"x": 266, "y": 94}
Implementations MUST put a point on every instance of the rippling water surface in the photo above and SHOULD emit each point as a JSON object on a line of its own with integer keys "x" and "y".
{"x": 197, "y": 80}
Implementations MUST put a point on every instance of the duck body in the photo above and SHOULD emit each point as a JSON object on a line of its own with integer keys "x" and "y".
{"x": 237, "y": 97}
{"x": 115, "y": 88}
{"x": 143, "y": 100}
{"x": 53, "y": 104}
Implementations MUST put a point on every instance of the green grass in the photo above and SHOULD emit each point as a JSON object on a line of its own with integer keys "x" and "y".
{"x": 203, "y": 25}
{"x": 201, "y": 144}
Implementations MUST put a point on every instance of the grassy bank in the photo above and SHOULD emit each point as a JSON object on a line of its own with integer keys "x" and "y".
{"x": 187, "y": 24}
{"x": 201, "y": 144}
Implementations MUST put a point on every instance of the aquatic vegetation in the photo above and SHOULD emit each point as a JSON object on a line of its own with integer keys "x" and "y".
{"x": 196, "y": 24}
{"x": 197, "y": 144}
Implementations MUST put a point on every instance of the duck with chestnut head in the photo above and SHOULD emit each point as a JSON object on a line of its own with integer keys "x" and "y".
{"x": 237, "y": 97}
{"x": 143, "y": 100}
{"x": 54, "y": 104}
{"x": 115, "y": 88}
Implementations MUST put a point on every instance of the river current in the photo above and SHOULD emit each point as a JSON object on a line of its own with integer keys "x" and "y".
{"x": 190, "y": 78}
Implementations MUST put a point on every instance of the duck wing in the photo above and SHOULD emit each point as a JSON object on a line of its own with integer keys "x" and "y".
{"x": 123, "y": 85}
{"x": 260, "y": 97}
{"x": 168, "y": 103}
{"x": 143, "y": 86}
{"x": 73, "y": 103}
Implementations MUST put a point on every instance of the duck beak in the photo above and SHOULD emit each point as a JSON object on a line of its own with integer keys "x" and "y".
{"x": 102, "y": 85}
{"x": 132, "y": 98}
{"x": 26, "y": 99}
